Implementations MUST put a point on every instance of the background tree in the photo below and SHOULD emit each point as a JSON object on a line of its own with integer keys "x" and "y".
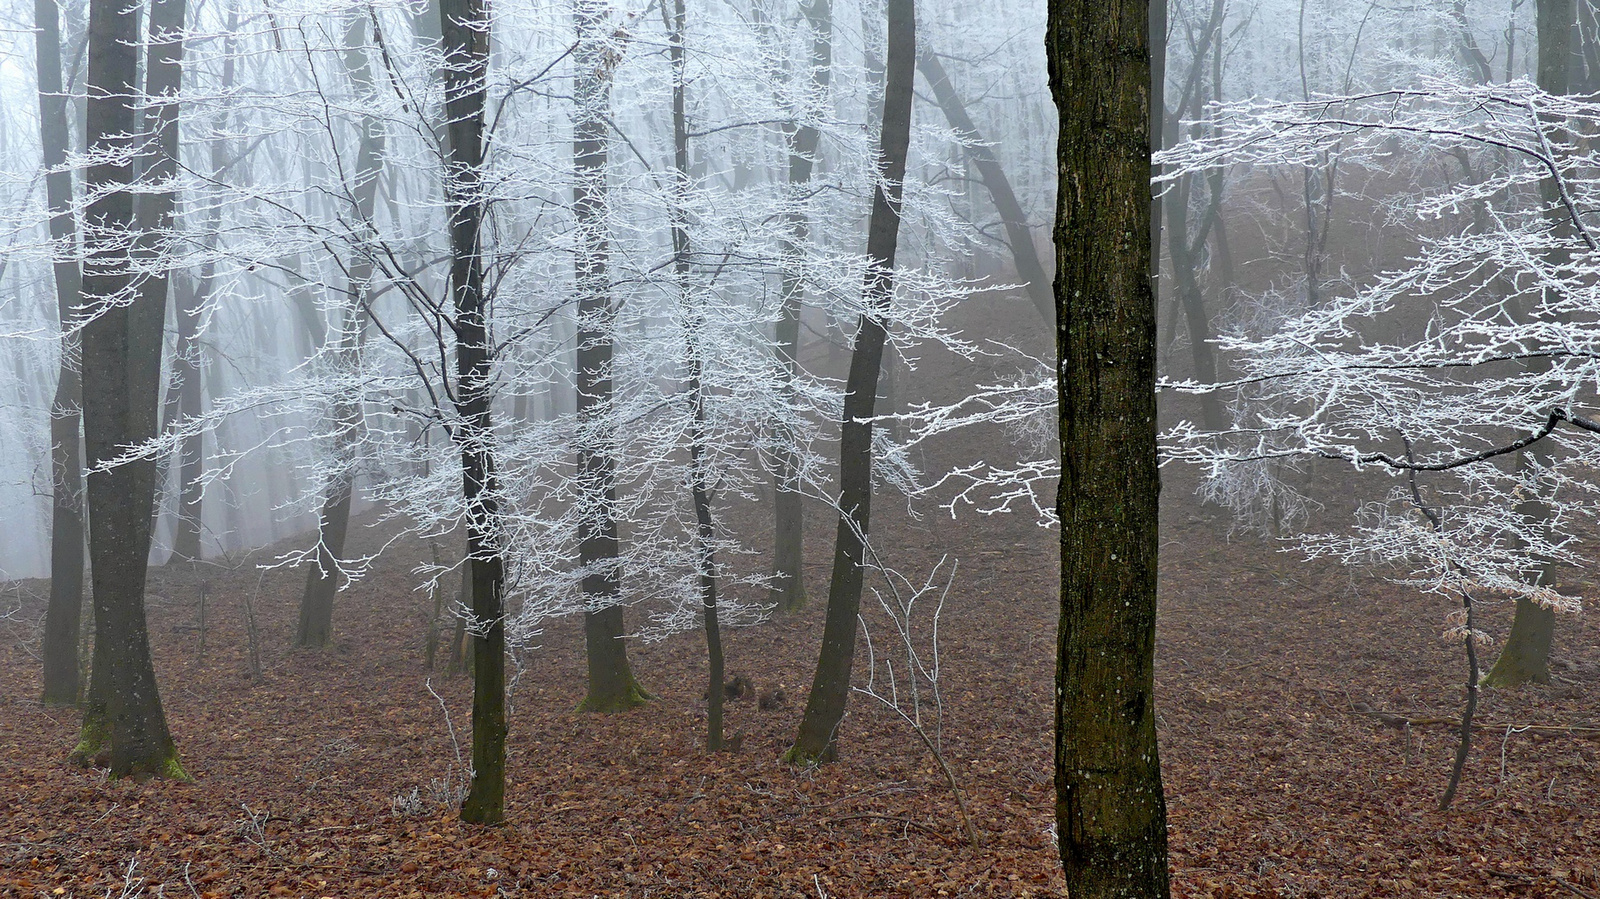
{"x": 1526, "y": 656}
{"x": 612, "y": 686}
{"x": 322, "y": 576}
{"x": 830, "y": 686}
{"x": 65, "y": 610}
{"x": 1110, "y": 806}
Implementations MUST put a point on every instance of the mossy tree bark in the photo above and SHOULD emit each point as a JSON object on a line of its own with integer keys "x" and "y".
{"x": 62, "y": 615}
{"x": 612, "y": 687}
{"x": 1110, "y": 808}
{"x": 465, "y": 42}
{"x": 322, "y": 578}
{"x": 830, "y": 686}
{"x": 122, "y": 370}
{"x": 1526, "y": 656}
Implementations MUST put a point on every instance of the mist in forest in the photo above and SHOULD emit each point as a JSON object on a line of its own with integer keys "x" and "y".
{"x": 500, "y": 368}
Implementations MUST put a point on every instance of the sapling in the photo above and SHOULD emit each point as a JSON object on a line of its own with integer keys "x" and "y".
{"x": 921, "y": 690}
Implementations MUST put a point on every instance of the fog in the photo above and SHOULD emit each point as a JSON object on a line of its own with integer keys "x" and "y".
{"x": 598, "y": 326}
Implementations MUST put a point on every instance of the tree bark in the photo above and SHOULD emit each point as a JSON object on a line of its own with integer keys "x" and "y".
{"x": 122, "y": 370}
{"x": 788, "y": 552}
{"x": 830, "y": 686}
{"x": 465, "y": 41}
{"x": 612, "y": 687}
{"x": 62, "y": 615}
{"x": 1110, "y": 808}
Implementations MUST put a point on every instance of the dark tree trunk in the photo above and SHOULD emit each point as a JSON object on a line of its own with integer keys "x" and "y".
{"x": 694, "y": 327}
{"x": 830, "y": 687}
{"x": 465, "y": 39}
{"x": 1526, "y": 656}
{"x": 322, "y": 578}
{"x": 788, "y": 512}
{"x": 121, "y": 385}
{"x": 612, "y": 687}
{"x": 1110, "y": 809}
{"x": 61, "y": 623}
{"x": 1023, "y": 252}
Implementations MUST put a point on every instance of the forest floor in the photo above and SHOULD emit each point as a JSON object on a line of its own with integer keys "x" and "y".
{"x": 331, "y": 774}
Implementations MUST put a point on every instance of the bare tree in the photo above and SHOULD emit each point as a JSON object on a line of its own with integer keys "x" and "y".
{"x": 612, "y": 686}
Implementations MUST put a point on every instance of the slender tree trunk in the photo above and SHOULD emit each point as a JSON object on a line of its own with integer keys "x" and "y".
{"x": 1023, "y": 252}
{"x": 830, "y": 687}
{"x": 61, "y": 629}
{"x": 122, "y": 373}
{"x": 788, "y": 553}
{"x": 612, "y": 687}
{"x": 187, "y": 364}
{"x": 189, "y": 357}
{"x": 1526, "y": 656}
{"x": 694, "y": 334}
{"x": 465, "y": 36}
{"x": 322, "y": 579}
{"x": 1110, "y": 808}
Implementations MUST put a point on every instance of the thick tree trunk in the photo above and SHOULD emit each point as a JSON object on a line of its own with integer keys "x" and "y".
{"x": 322, "y": 578}
{"x": 830, "y": 686}
{"x": 612, "y": 687}
{"x": 1023, "y": 252}
{"x": 788, "y": 550}
{"x": 122, "y": 369}
{"x": 61, "y": 628}
{"x": 1526, "y": 656}
{"x": 465, "y": 40}
{"x": 1110, "y": 809}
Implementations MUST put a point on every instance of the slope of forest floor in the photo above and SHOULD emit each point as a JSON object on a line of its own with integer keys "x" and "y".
{"x": 1284, "y": 691}
{"x": 329, "y": 776}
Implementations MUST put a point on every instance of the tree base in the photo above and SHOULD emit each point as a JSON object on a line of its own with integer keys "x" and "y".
{"x": 810, "y": 759}
{"x": 1526, "y": 656}
{"x": 1511, "y": 672}
{"x": 789, "y": 598}
{"x": 630, "y": 697}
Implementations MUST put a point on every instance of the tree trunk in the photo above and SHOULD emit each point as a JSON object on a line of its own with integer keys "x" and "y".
{"x": 465, "y": 41}
{"x": 187, "y": 368}
{"x": 788, "y": 552}
{"x": 694, "y": 329}
{"x": 1110, "y": 809}
{"x": 1023, "y": 252}
{"x": 830, "y": 686}
{"x": 1526, "y": 656}
{"x": 121, "y": 385}
{"x": 61, "y": 629}
{"x": 612, "y": 686}
{"x": 189, "y": 357}
{"x": 322, "y": 578}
